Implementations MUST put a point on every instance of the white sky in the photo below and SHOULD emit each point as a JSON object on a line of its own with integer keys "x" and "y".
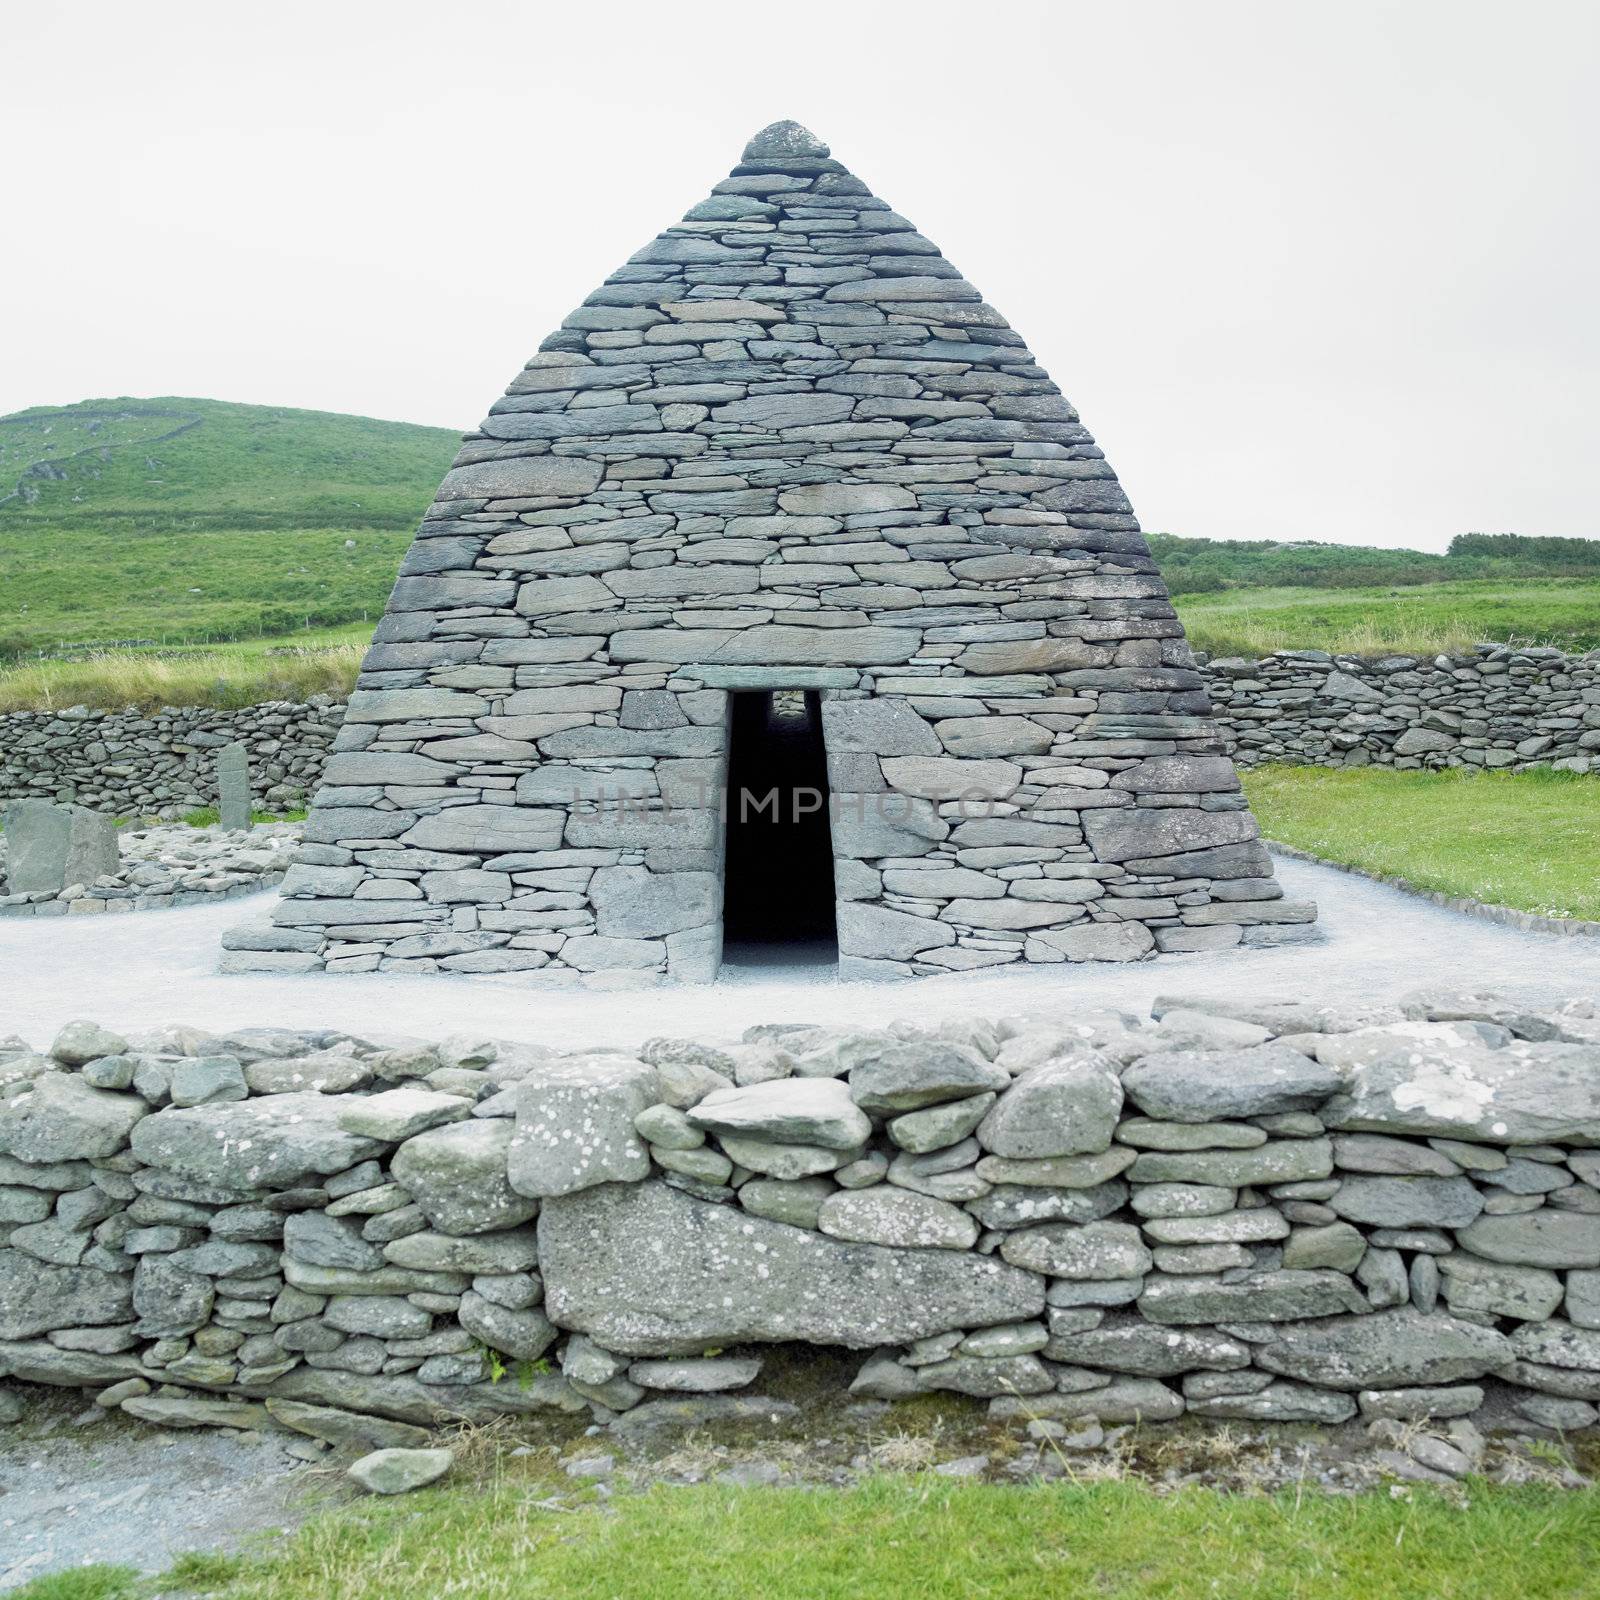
{"x": 1309, "y": 270}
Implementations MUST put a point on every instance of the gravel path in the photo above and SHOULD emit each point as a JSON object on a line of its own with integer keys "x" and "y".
{"x": 80, "y": 1486}
{"x": 159, "y": 967}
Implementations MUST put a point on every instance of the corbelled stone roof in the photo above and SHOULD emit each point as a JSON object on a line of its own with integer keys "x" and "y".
{"x": 787, "y": 444}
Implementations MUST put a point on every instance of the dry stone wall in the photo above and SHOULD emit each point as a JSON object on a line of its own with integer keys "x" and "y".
{"x": 164, "y": 763}
{"x": 1269, "y": 1211}
{"x": 1494, "y": 709}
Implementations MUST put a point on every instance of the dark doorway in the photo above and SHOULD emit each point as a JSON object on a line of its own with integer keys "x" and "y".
{"x": 777, "y": 885}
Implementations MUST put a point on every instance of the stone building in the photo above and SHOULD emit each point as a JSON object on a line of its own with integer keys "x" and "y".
{"x": 782, "y": 595}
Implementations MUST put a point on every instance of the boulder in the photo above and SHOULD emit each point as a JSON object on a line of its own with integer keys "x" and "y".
{"x": 648, "y": 1270}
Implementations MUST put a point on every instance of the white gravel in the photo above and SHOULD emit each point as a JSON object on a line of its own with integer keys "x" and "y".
{"x": 157, "y": 967}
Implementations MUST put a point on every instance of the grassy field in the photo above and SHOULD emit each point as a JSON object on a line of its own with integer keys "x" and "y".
{"x": 179, "y": 520}
{"x": 902, "y": 1536}
{"x": 1426, "y": 620}
{"x": 1528, "y": 840}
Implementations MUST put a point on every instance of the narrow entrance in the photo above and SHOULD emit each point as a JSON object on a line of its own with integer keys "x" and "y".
{"x": 777, "y": 886}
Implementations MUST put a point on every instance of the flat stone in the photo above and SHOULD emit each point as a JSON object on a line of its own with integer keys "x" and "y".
{"x": 987, "y": 1377}
{"x": 707, "y": 1375}
{"x": 908, "y": 1077}
{"x": 1213, "y": 1085}
{"x": 398, "y": 1114}
{"x": 811, "y": 1111}
{"x": 1418, "y": 1404}
{"x": 1544, "y": 1238}
{"x": 1051, "y": 1172}
{"x": 1127, "y": 1343}
{"x": 1383, "y": 1350}
{"x": 1335, "y": 1245}
{"x": 1136, "y": 1400}
{"x": 268, "y": 1143}
{"x": 172, "y": 1411}
{"x": 1022, "y": 1205}
{"x": 1521, "y": 1094}
{"x": 1279, "y": 1161}
{"x": 797, "y": 1201}
{"x": 1407, "y": 1202}
{"x": 647, "y": 1270}
{"x": 1094, "y": 1250}
{"x": 890, "y": 1216}
{"x": 938, "y": 1127}
{"x": 1279, "y": 1402}
{"x": 340, "y": 1427}
{"x": 1275, "y": 1296}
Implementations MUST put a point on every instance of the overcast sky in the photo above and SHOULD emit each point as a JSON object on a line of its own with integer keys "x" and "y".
{"x": 1308, "y": 270}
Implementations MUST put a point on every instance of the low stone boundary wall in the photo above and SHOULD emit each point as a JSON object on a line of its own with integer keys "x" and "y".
{"x": 1496, "y": 708}
{"x": 1278, "y": 1212}
{"x": 164, "y": 763}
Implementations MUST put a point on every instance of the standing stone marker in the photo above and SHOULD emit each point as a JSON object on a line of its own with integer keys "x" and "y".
{"x": 784, "y": 507}
{"x": 49, "y": 847}
{"x": 233, "y": 786}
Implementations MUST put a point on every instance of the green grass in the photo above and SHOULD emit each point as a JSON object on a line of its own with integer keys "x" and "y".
{"x": 1528, "y": 840}
{"x": 1422, "y": 621}
{"x": 894, "y": 1537}
{"x": 182, "y": 520}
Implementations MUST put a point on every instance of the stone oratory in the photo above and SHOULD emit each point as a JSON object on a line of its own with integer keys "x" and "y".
{"x": 781, "y": 600}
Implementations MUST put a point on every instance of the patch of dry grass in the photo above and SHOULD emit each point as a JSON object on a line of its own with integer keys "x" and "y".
{"x": 221, "y": 678}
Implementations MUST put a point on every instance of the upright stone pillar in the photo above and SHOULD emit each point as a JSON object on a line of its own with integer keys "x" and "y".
{"x": 233, "y": 786}
{"x": 49, "y": 847}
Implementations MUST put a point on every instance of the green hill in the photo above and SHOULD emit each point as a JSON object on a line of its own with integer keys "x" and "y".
{"x": 178, "y": 520}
